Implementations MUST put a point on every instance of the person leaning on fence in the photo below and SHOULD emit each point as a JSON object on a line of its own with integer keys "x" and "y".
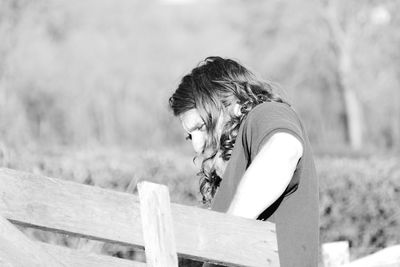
{"x": 256, "y": 160}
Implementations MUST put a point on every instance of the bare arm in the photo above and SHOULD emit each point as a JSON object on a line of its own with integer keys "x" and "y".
{"x": 268, "y": 176}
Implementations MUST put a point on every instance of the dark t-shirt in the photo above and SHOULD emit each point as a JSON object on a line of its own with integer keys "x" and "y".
{"x": 295, "y": 213}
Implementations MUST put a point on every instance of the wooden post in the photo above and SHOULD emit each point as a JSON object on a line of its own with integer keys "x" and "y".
{"x": 157, "y": 225}
{"x": 335, "y": 254}
{"x": 18, "y": 250}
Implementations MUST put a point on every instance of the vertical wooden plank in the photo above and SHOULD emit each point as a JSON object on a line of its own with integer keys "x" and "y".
{"x": 157, "y": 225}
{"x": 18, "y": 250}
{"x": 335, "y": 254}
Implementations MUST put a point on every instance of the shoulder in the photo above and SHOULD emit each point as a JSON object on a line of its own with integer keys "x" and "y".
{"x": 273, "y": 114}
{"x": 271, "y": 108}
{"x": 270, "y": 118}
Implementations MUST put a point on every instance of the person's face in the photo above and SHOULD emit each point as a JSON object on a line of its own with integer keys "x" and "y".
{"x": 196, "y": 131}
{"x": 195, "y": 128}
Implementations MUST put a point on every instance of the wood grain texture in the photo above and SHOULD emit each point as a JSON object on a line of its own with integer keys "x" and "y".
{"x": 109, "y": 216}
{"x": 18, "y": 250}
{"x": 79, "y": 258}
{"x": 158, "y": 229}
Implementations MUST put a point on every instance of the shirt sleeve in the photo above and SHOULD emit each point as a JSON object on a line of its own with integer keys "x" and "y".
{"x": 264, "y": 121}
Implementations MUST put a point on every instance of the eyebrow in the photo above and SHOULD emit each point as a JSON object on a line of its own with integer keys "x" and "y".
{"x": 195, "y": 127}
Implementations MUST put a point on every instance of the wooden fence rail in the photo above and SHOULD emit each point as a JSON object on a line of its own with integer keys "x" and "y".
{"x": 91, "y": 212}
{"x": 336, "y": 254}
{"x": 17, "y": 250}
{"x": 170, "y": 230}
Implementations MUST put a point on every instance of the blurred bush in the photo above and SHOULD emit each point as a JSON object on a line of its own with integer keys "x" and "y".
{"x": 359, "y": 195}
{"x": 360, "y": 201}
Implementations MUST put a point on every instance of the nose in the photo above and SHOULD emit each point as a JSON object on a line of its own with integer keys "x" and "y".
{"x": 198, "y": 142}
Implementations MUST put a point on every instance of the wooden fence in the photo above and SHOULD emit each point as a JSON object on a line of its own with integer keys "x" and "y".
{"x": 170, "y": 230}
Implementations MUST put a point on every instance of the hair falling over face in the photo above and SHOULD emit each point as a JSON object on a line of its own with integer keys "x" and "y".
{"x": 213, "y": 88}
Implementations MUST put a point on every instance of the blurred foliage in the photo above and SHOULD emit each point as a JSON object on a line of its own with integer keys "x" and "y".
{"x": 359, "y": 202}
{"x": 78, "y": 73}
{"x": 359, "y": 195}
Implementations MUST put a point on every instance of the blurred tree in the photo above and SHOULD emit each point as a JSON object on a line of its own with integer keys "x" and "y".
{"x": 331, "y": 56}
{"x": 76, "y": 72}
{"x": 286, "y": 43}
{"x": 342, "y": 38}
{"x": 366, "y": 36}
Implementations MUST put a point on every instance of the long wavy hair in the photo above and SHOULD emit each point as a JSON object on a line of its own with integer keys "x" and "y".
{"x": 211, "y": 88}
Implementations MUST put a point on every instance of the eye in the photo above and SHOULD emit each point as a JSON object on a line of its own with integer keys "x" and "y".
{"x": 188, "y": 137}
{"x": 202, "y": 127}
